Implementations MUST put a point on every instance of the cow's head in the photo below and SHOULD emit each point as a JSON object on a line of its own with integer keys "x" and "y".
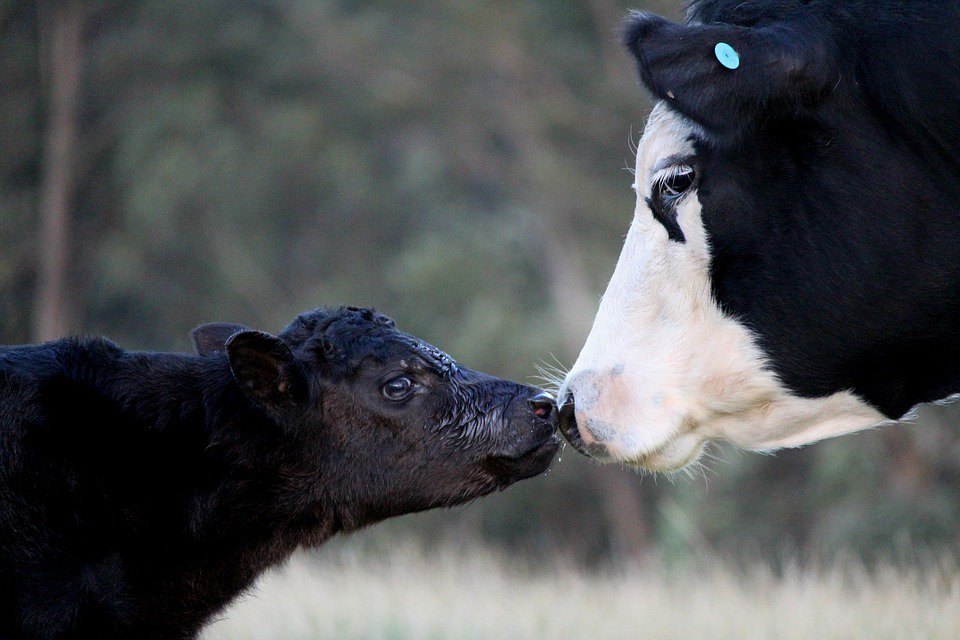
{"x": 773, "y": 289}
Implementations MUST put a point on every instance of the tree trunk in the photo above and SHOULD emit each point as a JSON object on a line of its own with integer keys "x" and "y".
{"x": 61, "y": 25}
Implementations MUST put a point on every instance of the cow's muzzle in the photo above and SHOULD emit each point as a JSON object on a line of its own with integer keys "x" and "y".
{"x": 567, "y": 423}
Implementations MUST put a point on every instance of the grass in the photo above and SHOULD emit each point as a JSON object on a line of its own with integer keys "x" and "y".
{"x": 344, "y": 592}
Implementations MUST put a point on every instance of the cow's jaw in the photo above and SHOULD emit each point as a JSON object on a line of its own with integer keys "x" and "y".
{"x": 664, "y": 369}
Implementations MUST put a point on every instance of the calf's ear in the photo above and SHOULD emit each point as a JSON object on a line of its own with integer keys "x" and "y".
{"x": 756, "y": 71}
{"x": 263, "y": 366}
{"x": 212, "y": 338}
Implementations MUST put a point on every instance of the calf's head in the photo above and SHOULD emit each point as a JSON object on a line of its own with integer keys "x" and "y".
{"x": 384, "y": 423}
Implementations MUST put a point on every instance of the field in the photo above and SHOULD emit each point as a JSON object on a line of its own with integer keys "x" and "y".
{"x": 345, "y": 592}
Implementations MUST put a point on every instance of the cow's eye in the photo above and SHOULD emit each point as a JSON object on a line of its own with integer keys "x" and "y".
{"x": 671, "y": 183}
{"x": 397, "y": 389}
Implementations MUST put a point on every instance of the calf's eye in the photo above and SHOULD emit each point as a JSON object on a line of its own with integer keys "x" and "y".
{"x": 397, "y": 389}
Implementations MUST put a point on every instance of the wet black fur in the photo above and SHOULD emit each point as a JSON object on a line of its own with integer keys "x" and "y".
{"x": 140, "y": 492}
{"x": 829, "y": 169}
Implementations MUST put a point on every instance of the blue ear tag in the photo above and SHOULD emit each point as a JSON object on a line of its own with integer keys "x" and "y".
{"x": 727, "y": 55}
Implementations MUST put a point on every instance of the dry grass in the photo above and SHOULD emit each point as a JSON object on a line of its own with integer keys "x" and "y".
{"x": 475, "y": 594}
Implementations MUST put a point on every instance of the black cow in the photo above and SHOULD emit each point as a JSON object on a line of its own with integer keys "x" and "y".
{"x": 793, "y": 268}
{"x": 140, "y": 492}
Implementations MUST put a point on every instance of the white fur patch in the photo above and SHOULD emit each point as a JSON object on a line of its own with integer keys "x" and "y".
{"x": 663, "y": 369}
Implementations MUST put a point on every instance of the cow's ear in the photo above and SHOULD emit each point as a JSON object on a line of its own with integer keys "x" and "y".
{"x": 264, "y": 368}
{"x": 724, "y": 77}
{"x": 212, "y": 338}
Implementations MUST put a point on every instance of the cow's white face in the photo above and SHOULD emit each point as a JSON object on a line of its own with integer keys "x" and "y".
{"x": 664, "y": 370}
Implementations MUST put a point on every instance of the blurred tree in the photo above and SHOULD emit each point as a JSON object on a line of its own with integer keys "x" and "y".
{"x": 61, "y": 28}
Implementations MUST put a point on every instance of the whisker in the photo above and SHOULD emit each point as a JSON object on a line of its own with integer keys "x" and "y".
{"x": 631, "y": 142}
{"x": 549, "y": 373}
{"x": 552, "y": 375}
{"x": 551, "y": 370}
{"x": 550, "y": 380}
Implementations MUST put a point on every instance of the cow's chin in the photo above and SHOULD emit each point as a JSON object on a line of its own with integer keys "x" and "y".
{"x": 672, "y": 455}
{"x": 675, "y": 454}
{"x": 620, "y": 445}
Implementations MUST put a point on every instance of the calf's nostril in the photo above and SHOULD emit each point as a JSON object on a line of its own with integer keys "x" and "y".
{"x": 542, "y": 404}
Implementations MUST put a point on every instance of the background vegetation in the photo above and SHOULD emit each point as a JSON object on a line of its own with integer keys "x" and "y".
{"x": 349, "y": 593}
{"x": 461, "y": 165}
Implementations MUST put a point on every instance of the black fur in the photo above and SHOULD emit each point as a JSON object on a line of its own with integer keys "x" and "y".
{"x": 828, "y": 177}
{"x": 667, "y": 216}
{"x": 140, "y": 492}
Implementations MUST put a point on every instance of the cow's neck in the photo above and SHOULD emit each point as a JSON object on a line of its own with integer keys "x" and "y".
{"x": 848, "y": 286}
{"x": 900, "y": 379}
{"x": 892, "y": 374}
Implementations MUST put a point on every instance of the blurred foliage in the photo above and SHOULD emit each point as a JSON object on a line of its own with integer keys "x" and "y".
{"x": 244, "y": 161}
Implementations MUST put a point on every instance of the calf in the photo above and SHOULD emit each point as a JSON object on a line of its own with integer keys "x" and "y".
{"x": 140, "y": 492}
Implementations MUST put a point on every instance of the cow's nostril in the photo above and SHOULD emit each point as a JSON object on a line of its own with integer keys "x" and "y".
{"x": 542, "y": 404}
{"x": 567, "y": 406}
{"x": 568, "y": 425}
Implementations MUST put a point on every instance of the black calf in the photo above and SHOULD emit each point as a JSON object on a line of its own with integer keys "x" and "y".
{"x": 140, "y": 492}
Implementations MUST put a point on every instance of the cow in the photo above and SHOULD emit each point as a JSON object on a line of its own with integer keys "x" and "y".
{"x": 141, "y": 492}
{"x": 792, "y": 270}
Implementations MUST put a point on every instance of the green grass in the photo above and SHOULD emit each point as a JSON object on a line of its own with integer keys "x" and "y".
{"x": 471, "y": 593}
